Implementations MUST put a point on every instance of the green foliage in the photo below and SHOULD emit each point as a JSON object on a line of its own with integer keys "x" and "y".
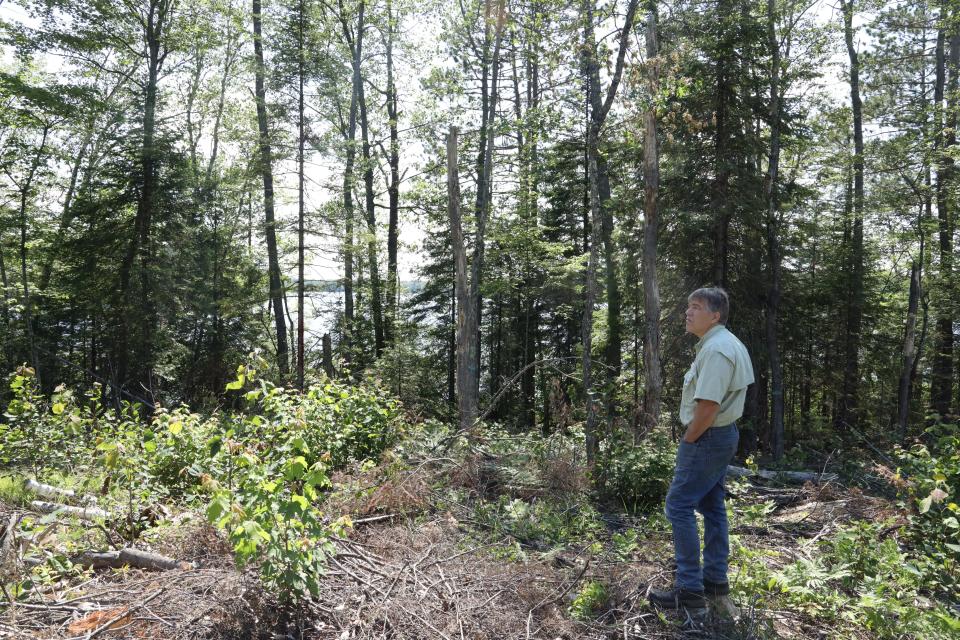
{"x": 39, "y": 434}
{"x": 932, "y": 495}
{"x": 755, "y": 515}
{"x": 859, "y": 577}
{"x": 636, "y": 476}
{"x": 541, "y": 523}
{"x": 274, "y": 461}
{"x": 590, "y": 600}
{"x": 262, "y": 470}
{"x": 271, "y": 516}
{"x": 625, "y": 543}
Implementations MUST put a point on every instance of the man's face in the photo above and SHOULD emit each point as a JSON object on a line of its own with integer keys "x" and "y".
{"x": 699, "y": 317}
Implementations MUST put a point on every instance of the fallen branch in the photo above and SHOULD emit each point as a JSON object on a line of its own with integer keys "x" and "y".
{"x": 388, "y": 516}
{"x": 789, "y": 476}
{"x": 47, "y": 490}
{"x": 84, "y": 513}
{"x": 129, "y": 557}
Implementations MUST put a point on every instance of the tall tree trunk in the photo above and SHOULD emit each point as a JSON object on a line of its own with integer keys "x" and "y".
{"x": 941, "y": 383}
{"x": 4, "y": 285}
{"x": 452, "y": 350}
{"x": 301, "y": 308}
{"x": 495, "y": 18}
{"x": 909, "y": 351}
{"x": 154, "y": 24}
{"x": 350, "y": 136}
{"x": 592, "y": 439}
{"x": 599, "y": 108}
{"x": 723, "y": 161}
{"x": 848, "y": 412}
{"x": 266, "y": 170}
{"x": 376, "y": 292}
{"x": 777, "y": 434}
{"x": 393, "y": 188}
{"x": 527, "y": 154}
{"x": 25, "y": 188}
{"x": 653, "y": 380}
{"x": 467, "y": 372}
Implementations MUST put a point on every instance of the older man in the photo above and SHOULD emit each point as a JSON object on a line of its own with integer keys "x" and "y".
{"x": 714, "y": 390}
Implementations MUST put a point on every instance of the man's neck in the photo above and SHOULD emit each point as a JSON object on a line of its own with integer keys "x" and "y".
{"x": 706, "y": 334}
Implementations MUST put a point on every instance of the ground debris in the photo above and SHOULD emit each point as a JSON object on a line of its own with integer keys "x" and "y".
{"x": 199, "y": 603}
{"x": 426, "y": 581}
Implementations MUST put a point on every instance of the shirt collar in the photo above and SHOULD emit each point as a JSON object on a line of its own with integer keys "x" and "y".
{"x": 714, "y": 330}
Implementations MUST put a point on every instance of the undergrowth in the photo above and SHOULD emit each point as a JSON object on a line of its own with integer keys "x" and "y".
{"x": 282, "y": 475}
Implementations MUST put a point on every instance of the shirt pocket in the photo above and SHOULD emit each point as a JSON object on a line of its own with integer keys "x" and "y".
{"x": 690, "y": 377}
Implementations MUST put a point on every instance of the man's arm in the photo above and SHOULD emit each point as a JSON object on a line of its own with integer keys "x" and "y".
{"x": 703, "y": 416}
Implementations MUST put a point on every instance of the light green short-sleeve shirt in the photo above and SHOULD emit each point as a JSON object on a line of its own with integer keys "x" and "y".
{"x": 721, "y": 371}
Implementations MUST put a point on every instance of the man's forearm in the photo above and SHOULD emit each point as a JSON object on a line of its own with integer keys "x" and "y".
{"x": 703, "y": 416}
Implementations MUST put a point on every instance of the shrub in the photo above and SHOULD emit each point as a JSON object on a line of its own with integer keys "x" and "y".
{"x": 863, "y": 577}
{"x": 932, "y": 496}
{"x": 37, "y": 434}
{"x": 636, "y": 476}
{"x": 541, "y": 523}
{"x": 589, "y": 601}
{"x": 275, "y": 462}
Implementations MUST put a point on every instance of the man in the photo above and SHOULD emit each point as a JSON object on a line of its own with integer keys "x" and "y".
{"x": 714, "y": 390}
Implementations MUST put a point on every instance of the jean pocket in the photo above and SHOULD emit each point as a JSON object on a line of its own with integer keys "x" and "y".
{"x": 723, "y": 445}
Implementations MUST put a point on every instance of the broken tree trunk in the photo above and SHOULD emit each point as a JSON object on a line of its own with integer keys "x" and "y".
{"x": 47, "y": 490}
{"x": 129, "y": 557}
{"x": 84, "y": 513}
{"x": 788, "y": 476}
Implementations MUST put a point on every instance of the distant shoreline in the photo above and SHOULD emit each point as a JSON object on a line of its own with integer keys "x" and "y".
{"x": 336, "y": 286}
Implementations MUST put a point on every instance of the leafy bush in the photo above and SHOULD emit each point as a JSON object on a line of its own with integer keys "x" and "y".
{"x": 858, "y": 577}
{"x": 261, "y": 469}
{"x": 273, "y": 462}
{"x": 636, "y": 476}
{"x": 932, "y": 495}
{"x": 271, "y": 516}
{"x": 541, "y": 523}
{"x": 37, "y": 434}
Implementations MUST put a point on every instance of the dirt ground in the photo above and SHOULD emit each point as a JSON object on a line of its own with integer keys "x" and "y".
{"x": 422, "y": 575}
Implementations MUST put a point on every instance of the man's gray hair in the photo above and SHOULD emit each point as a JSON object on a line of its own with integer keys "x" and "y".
{"x": 716, "y": 300}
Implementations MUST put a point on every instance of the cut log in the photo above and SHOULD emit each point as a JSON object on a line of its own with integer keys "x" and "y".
{"x": 129, "y": 557}
{"x": 99, "y": 559}
{"x": 47, "y": 490}
{"x": 84, "y": 513}
{"x": 147, "y": 560}
{"x": 798, "y": 477}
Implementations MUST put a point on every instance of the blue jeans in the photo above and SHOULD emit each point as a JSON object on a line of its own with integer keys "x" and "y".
{"x": 698, "y": 485}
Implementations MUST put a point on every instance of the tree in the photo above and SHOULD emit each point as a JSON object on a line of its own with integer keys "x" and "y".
{"x": 265, "y": 162}
{"x": 599, "y": 197}
{"x": 653, "y": 384}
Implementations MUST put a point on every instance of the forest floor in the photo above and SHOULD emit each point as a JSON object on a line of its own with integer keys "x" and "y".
{"x": 446, "y": 549}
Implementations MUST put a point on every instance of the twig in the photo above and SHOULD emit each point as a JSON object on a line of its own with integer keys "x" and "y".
{"x": 552, "y": 598}
{"x": 374, "y": 519}
{"x": 462, "y": 553}
{"x": 374, "y": 587}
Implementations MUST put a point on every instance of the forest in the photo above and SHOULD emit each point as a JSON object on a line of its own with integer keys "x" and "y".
{"x": 365, "y": 318}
